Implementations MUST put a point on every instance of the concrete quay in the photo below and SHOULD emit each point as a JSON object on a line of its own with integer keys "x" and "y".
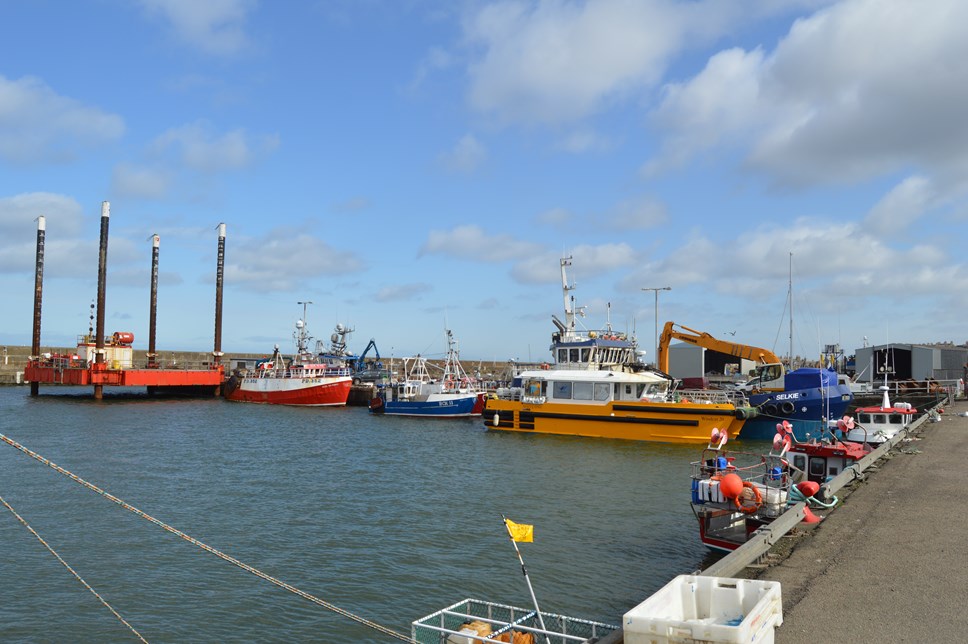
{"x": 891, "y": 563}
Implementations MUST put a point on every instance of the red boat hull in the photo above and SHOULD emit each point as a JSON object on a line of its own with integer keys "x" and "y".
{"x": 319, "y": 392}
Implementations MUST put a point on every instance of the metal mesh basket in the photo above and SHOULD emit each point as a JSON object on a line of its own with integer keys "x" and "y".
{"x": 444, "y": 626}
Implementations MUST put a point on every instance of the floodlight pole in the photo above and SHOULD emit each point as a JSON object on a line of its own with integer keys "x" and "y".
{"x": 655, "y": 347}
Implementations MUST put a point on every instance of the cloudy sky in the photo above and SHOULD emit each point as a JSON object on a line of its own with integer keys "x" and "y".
{"x": 407, "y": 165}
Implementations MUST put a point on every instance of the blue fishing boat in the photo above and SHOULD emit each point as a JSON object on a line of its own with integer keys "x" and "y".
{"x": 809, "y": 398}
{"x": 454, "y": 394}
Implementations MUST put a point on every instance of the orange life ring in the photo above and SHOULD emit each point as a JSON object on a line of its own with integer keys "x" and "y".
{"x": 749, "y": 509}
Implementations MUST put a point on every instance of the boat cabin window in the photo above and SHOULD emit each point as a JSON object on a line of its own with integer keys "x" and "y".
{"x": 573, "y": 355}
{"x": 582, "y": 391}
{"x": 880, "y": 419}
{"x": 895, "y": 419}
{"x": 562, "y": 390}
{"x": 769, "y": 373}
{"x": 800, "y": 462}
{"x": 601, "y": 391}
{"x": 534, "y": 388}
{"x": 584, "y": 355}
{"x": 863, "y": 418}
{"x": 818, "y": 467}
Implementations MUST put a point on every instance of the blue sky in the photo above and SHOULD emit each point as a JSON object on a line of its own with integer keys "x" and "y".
{"x": 408, "y": 165}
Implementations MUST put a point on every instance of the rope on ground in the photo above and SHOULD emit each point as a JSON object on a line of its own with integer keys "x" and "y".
{"x": 221, "y": 555}
{"x": 796, "y": 496}
{"x": 71, "y": 570}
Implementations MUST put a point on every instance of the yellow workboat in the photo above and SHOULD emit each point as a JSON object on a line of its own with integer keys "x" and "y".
{"x": 598, "y": 387}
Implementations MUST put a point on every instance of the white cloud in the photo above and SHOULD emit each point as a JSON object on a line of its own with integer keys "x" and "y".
{"x": 402, "y": 292}
{"x": 555, "y": 217}
{"x": 283, "y": 259}
{"x": 721, "y": 102}
{"x": 213, "y": 26}
{"x": 199, "y": 149}
{"x": 557, "y": 61}
{"x": 130, "y": 180}
{"x": 637, "y": 214}
{"x": 544, "y": 267}
{"x": 471, "y": 242}
{"x": 466, "y": 156}
{"x": 17, "y": 214}
{"x": 854, "y": 91}
{"x": 902, "y": 206}
{"x": 38, "y": 125}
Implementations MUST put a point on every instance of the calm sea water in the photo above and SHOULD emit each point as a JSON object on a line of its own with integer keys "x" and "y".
{"x": 388, "y": 518}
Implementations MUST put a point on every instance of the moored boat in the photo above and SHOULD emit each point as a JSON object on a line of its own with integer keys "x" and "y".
{"x": 804, "y": 397}
{"x": 598, "y": 387}
{"x": 455, "y": 394}
{"x": 303, "y": 379}
{"x": 734, "y": 493}
{"x": 821, "y": 458}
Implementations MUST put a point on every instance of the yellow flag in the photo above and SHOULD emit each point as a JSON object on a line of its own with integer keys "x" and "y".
{"x": 520, "y": 532}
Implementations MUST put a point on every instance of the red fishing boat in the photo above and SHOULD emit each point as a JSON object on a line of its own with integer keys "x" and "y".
{"x": 303, "y": 379}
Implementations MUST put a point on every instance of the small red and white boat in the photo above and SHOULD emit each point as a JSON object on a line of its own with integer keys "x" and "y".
{"x": 876, "y": 425}
{"x": 820, "y": 460}
{"x": 304, "y": 379}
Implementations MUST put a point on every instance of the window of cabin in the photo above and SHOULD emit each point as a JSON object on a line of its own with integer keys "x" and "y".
{"x": 601, "y": 391}
{"x": 582, "y": 391}
{"x": 562, "y": 390}
{"x": 573, "y": 355}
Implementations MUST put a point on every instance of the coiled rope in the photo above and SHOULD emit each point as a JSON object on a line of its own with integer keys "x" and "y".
{"x": 221, "y": 555}
{"x": 72, "y": 571}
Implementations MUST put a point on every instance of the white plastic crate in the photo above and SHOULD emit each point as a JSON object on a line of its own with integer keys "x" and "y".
{"x": 692, "y": 608}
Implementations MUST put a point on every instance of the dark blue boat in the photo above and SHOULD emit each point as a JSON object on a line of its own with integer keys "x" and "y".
{"x": 810, "y": 397}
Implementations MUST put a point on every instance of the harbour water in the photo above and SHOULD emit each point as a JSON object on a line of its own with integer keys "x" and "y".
{"x": 388, "y": 518}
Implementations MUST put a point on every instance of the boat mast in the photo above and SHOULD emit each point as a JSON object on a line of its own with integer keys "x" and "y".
{"x": 569, "y": 302}
{"x": 302, "y": 336}
{"x": 790, "y": 291}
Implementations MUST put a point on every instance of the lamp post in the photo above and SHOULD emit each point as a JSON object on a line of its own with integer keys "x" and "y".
{"x": 655, "y": 348}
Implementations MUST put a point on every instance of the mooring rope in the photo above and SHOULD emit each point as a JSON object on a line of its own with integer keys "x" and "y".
{"x": 71, "y": 570}
{"x": 221, "y": 555}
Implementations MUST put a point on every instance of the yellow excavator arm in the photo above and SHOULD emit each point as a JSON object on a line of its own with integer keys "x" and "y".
{"x": 702, "y": 339}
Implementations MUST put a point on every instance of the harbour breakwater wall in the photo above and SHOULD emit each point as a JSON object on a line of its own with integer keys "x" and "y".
{"x": 13, "y": 360}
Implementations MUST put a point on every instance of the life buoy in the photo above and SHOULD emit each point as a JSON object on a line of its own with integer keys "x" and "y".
{"x": 787, "y": 408}
{"x": 743, "y": 504}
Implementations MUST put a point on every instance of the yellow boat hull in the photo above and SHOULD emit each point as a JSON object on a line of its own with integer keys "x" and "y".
{"x": 665, "y": 422}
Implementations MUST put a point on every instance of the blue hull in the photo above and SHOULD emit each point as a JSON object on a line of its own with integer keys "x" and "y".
{"x": 454, "y": 408}
{"x": 804, "y": 408}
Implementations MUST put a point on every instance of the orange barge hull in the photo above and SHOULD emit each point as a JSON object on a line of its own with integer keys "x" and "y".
{"x": 97, "y": 375}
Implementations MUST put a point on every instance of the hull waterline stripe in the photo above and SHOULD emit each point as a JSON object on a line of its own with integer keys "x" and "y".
{"x": 672, "y": 410}
{"x": 72, "y": 571}
{"x": 617, "y": 419}
{"x": 221, "y": 555}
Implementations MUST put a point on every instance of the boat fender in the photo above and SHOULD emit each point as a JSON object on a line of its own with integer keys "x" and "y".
{"x": 770, "y": 409}
{"x": 376, "y": 405}
{"x": 787, "y": 408}
{"x": 497, "y": 419}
